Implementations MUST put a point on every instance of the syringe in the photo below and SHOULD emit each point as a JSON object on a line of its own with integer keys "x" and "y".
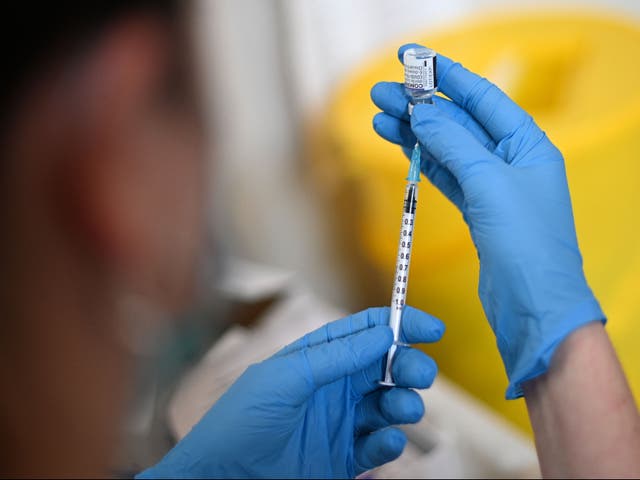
{"x": 420, "y": 85}
{"x": 400, "y": 282}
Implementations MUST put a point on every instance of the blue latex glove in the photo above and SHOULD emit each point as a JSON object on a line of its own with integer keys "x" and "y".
{"x": 492, "y": 161}
{"x": 314, "y": 409}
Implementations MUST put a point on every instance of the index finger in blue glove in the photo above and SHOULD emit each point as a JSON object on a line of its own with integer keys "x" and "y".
{"x": 340, "y": 328}
{"x": 394, "y": 130}
{"x": 490, "y": 106}
{"x": 450, "y": 144}
{"x": 327, "y": 362}
{"x": 420, "y": 327}
{"x": 391, "y": 99}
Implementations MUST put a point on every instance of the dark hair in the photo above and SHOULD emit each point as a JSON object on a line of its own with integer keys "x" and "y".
{"x": 34, "y": 32}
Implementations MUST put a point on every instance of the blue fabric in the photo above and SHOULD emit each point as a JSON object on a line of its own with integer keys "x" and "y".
{"x": 498, "y": 167}
{"x": 314, "y": 409}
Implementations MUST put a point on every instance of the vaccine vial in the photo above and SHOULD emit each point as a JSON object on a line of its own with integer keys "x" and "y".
{"x": 420, "y": 82}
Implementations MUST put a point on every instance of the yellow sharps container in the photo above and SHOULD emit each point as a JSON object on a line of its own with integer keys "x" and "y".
{"x": 579, "y": 76}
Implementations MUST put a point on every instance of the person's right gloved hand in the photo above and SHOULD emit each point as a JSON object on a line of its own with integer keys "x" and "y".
{"x": 316, "y": 408}
{"x": 493, "y": 162}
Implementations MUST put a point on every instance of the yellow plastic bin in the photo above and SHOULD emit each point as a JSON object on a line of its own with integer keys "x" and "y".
{"x": 578, "y": 75}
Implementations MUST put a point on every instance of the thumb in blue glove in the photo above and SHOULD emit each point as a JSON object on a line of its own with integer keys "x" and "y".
{"x": 492, "y": 161}
{"x": 314, "y": 409}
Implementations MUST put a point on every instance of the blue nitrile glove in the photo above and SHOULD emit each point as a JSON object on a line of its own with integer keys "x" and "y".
{"x": 314, "y": 409}
{"x": 493, "y": 162}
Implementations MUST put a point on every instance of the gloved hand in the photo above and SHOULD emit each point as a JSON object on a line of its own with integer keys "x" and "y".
{"x": 493, "y": 162}
{"x": 314, "y": 409}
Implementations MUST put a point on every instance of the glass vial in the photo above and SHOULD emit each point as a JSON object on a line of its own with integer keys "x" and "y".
{"x": 420, "y": 83}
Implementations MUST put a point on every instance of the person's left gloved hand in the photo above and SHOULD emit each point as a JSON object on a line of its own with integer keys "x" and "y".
{"x": 488, "y": 156}
{"x": 315, "y": 408}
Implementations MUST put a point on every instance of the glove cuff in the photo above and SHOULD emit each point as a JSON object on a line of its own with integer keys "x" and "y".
{"x": 538, "y": 361}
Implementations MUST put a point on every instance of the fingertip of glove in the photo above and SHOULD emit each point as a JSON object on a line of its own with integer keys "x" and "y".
{"x": 420, "y": 409}
{"x": 377, "y": 122}
{"x": 405, "y": 47}
{"x": 425, "y": 373}
{"x": 377, "y": 90}
{"x": 394, "y": 441}
{"x": 380, "y": 334}
{"x": 432, "y": 328}
{"x": 439, "y": 327}
{"x": 431, "y": 375}
{"x": 384, "y": 126}
{"x": 403, "y": 405}
{"x": 388, "y": 95}
{"x": 378, "y": 448}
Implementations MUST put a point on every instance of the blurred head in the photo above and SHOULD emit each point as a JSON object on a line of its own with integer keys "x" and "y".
{"x": 101, "y": 177}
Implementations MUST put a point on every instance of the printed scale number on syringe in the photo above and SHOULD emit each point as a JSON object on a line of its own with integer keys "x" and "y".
{"x": 399, "y": 293}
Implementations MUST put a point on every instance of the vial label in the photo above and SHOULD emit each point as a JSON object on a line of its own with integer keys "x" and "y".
{"x": 420, "y": 74}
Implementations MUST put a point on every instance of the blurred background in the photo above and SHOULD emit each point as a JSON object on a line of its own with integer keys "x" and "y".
{"x": 303, "y": 185}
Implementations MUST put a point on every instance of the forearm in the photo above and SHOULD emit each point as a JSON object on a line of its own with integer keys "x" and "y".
{"x": 585, "y": 421}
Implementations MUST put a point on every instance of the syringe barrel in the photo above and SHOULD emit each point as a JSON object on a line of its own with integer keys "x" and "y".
{"x": 401, "y": 277}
